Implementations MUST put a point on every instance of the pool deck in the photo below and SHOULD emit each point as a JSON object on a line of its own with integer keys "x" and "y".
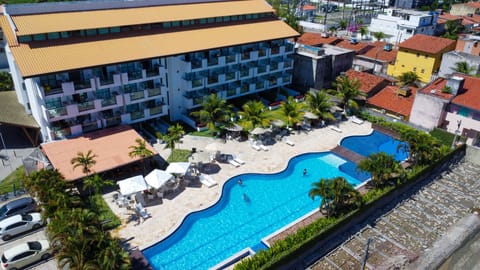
{"x": 168, "y": 215}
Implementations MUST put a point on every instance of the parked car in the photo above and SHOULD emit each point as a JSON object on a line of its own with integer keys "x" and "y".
{"x": 18, "y": 206}
{"x": 17, "y": 224}
{"x": 25, "y": 254}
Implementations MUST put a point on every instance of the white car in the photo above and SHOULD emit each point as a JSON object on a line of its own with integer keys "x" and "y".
{"x": 18, "y": 224}
{"x": 25, "y": 254}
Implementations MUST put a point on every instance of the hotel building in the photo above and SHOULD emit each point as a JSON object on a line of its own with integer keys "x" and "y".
{"x": 84, "y": 66}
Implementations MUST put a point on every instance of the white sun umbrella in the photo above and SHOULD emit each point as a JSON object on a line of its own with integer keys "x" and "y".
{"x": 157, "y": 178}
{"x": 178, "y": 167}
{"x": 258, "y": 131}
{"x": 132, "y": 185}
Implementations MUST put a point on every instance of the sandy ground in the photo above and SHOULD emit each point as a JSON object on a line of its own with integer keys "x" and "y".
{"x": 168, "y": 215}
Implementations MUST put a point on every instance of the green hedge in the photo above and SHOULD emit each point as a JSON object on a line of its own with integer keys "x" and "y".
{"x": 290, "y": 248}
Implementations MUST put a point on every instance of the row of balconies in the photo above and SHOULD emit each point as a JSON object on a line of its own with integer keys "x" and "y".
{"x": 117, "y": 79}
{"x": 71, "y": 108}
{"x": 234, "y": 58}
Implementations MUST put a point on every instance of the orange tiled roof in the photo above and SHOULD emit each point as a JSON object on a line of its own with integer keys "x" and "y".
{"x": 448, "y": 17}
{"x": 435, "y": 89}
{"x": 110, "y": 145}
{"x": 389, "y": 100}
{"x": 470, "y": 95}
{"x": 377, "y": 52}
{"x": 313, "y": 39}
{"x": 428, "y": 44}
{"x": 368, "y": 82}
{"x": 308, "y": 7}
{"x": 359, "y": 47}
{"x": 473, "y": 4}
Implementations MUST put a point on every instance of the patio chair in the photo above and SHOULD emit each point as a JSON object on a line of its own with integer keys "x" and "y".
{"x": 287, "y": 141}
{"x": 142, "y": 211}
{"x": 233, "y": 162}
{"x": 238, "y": 160}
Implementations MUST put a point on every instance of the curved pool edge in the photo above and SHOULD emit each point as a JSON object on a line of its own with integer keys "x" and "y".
{"x": 366, "y": 135}
{"x": 221, "y": 194}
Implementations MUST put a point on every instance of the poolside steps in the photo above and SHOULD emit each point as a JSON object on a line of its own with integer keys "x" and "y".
{"x": 400, "y": 235}
{"x": 348, "y": 154}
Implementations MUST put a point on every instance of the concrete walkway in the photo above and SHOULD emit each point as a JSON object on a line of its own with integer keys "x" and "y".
{"x": 166, "y": 217}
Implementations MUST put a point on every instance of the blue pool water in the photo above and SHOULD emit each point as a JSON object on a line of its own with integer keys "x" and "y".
{"x": 272, "y": 201}
{"x": 374, "y": 143}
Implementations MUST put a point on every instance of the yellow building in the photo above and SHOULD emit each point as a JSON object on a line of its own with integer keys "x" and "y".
{"x": 421, "y": 54}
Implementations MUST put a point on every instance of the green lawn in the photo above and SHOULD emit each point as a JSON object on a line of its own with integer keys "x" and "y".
{"x": 15, "y": 178}
{"x": 445, "y": 137}
{"x": 179, "y": 155}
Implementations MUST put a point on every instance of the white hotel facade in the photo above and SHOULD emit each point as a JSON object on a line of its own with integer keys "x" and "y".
{"x": 84, "y": 66}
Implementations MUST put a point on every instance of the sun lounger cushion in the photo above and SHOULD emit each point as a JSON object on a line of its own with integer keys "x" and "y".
{"x": 336, "y": 129}
{"x": 287, "y": 141}
{"x": 233, "y": 162}
{"x": 357, "y": 120}
{"x": 237, "y": 159}
{"x": 256, "y": 147}
{"x": 207, "y": 180}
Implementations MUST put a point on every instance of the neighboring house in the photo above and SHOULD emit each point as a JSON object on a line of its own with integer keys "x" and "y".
{"x": 421, "y": 54}
{"x": 369, "y": 84}
{"x": 315, "y": 39}
{"x": 470, "y": 22}
{"x": 455, "y": 109}
{"x": 79, "y": 67}
{"x": 317, "y": 67}
{"x": 464, "y": 9}
{"x": 395, "y": 101}
{"x": 449, "y": 60}
{"x": 407, "y": 4}
{"x": 399, "y": 24}
{"x": 376, "y": 58}
{"x": 469, "y": 44}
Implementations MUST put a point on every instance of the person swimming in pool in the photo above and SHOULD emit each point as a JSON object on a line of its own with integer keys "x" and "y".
{"x": 246, "y": 198}
{"x": 240, "y": 182}
{"x": 304, "y": 172}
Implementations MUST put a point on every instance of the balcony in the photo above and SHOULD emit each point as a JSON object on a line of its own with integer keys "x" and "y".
{"x": 287, "y": 64}
{"x": 230, "y": 76}
{"x": 106, "y": 81}
{"x": 212, "y": 61}
{"x": 154, "y": 92}
{"x": 246, "y": 55}
{"x": 91, "y": 126}
{"x": 85, "y": 106}
{"x": 262, "y": 53}
{"x": 259, "y": 85}
{"x": 273, "y": 66}
{"x": 245, "y": 88}
{"x": 212, "y": 79}
{"x": 261, "y": 69}
{"x": 137, "y": 95}
{"x": 57, "y": 112}
{"x": 48, "y": 90}
{"x": 156, "y": 110}
{"x": 113, "y": 121}
{"x": 274, "y": 50}
{"x": 109, "y": 101}
{"x": 134, "y": 75}
{"x": 244, "y": 73}
{"x": 61, "y": 133}
{"x": 196, "y": 63}
{"x": 230, "y": 59}
{"x": 152, "y": 72}
{"x": 137, "y": 115}
{"x": 287, "y": 79}
{"x": 82, "y": 85}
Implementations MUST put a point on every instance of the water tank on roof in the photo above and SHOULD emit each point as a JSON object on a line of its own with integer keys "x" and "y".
{"x": 387, "y": 47}
{"x": 353, "y": 41}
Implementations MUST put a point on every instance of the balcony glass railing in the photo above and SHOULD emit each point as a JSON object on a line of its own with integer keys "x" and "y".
{"x": 259, "y": 85}
{"x": 113, "y": 121}
{"x": 196, "y": 64}
{"x": 85, "y": 106}
{"x": 134, "y": 75}
{"x": 230, "y": 58}
{"x": 137, "y": 115}
{"x": 90, "y": 126}
{"x": 137, "y": 95}
{"x": 154, "y": 92}
{"x": 231, "y": 92}
{"x": 152, "y": 72}
{"x": 57, "y": 112}
{"x": 287, "y": 64}
{"x": 106, "y": 81}
{"x": 262, "y": 53}
{"x": 244, "y": 73}
{"x": 245, "y": 88}
{"x": 274, "y": 50}
{"x": 197, "y": 83}
{"x": 246, "y": 56}
{"x": 197, "y": 100}
{"x": 62, "y": 133}
{"x": 156, "y": 110}
{"x": 109, "y": 101}
{"x": 261, "y": 69}
{"x": 82, "y": 85}
{"x": 212, "y": 79}
{"x": 273, "y": 66}
{"x": 48, "y": 90}
{"x": 212, "y": 61}
{"x": 230, "y": 76}
{"x": 286, "y": 79}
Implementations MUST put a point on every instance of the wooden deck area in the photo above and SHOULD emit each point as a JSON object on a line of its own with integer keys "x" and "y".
{"x": 348, "y": 154}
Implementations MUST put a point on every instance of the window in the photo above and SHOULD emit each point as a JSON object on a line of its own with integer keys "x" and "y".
{"x": 53, "y": 35}
{"x": 218, "y": 19}
{"x": 15, "y": 225}
{"x": 418, "y": 55}
{"x": 176, "y": 23}
{"x": 39, "y": 37}
{"x": 226, "y": 18}
{"x": 65, "y": 34}
{"x": 186, "y": 23}
{"x": 414, "y": 69}
{"x": 103, "y": 31}
{"x": 426, "y": 56}
{"x": 211, "y": 20}
{"x": 25, "y": 38}
{"x": 91, "y": 32}
{"x": 23, "y": 255}
{"x": 114, "y": 29}
{"x": 403, "y": 65}
{"x": 234, "y": 18}
{"x": 167, "y": 25}
{"x": 203, "y": 21}
{"x": 422, "y": 71}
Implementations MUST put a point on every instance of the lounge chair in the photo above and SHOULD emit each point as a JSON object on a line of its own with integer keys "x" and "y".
{"x": 287, "y": 141}
{"x": 233, "y": 162}
{"x": 207, "y": 180}
{"x": 336, "y": 129}
{"x": 256, "y": 147}
{"x": 238, "y": 160}
{"x": 356, "y": 120}
{"x": 263, "y": 147}
{"x": 142, "y": 211}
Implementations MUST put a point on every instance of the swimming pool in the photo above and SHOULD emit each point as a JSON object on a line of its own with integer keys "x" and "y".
{"x": 374, "y": 143}
{"x": 272, "y": 201}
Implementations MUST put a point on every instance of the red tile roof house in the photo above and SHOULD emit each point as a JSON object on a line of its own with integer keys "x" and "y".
{"x": 395, "y": 101}
{"x": 378, "y": 56}
{"x": 369, "y": 84}
{"x": 459, "y": 109}
{"x": 314, "y": 39}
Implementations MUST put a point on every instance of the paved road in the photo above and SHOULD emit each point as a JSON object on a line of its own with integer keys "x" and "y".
{"x": 14, "y": 147}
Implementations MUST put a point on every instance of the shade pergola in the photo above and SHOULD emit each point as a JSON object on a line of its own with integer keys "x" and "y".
{"x": 157, "y": 178}
{"x": 132, "y": 185}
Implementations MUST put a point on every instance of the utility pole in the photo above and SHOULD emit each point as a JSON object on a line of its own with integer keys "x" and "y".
{"x": 459, "y": 122}
{"x": 6, "y": 150}
{"x": 365, "y": 257}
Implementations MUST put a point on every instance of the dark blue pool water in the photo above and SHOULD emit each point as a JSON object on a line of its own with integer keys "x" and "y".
{"x": 374, "y": 143}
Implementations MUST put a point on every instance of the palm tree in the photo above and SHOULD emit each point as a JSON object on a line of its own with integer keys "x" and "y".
{"x": 140, "y": 150}
{"x": 382, "y": 167}
{"x": 378, "y": 35}
{"x": 452, "y": 29}
{"x": 347, "y": 90}
{"x": 214, "y": 111}
{"x": 112, "y": 256}
{"x": 254, "y": 114}
{"x": 463, "y": 67}
{"x": 292, "y": 111}
{"x": 421, "y": 147}
{"x": 95, "y": 183}
{"x": 408, "y": 78}
{"x": 321, "y": 188}
{"x": 343, "y": 24}
{"x": 363, "y": 31}
{"x": 173, "y": 136}
{"x": 318, "y": 103}
{"x": 85, "y": 161}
